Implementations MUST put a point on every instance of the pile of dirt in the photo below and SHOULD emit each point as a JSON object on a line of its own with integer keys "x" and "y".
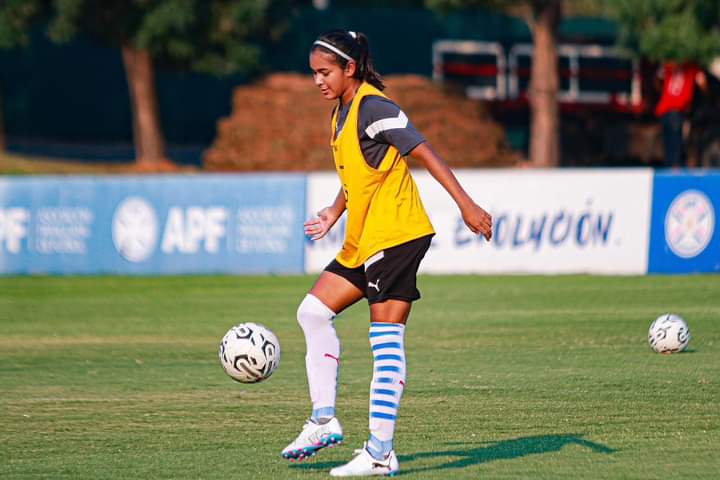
{"x": 282, "y": 123}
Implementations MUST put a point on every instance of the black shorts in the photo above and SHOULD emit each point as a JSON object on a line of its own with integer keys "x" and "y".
{"x": 389, "y": 274}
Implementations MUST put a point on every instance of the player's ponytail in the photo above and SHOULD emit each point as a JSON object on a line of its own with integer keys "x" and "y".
{"x": 365, "y": 64}
{"x": 346, "y": 46}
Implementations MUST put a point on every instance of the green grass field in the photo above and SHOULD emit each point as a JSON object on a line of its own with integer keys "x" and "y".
{"x": 508, "y": 377}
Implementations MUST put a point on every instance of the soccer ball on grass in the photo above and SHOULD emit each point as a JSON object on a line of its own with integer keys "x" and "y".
{"x": 249, "y": 352}
{"x": 669, "y": 334}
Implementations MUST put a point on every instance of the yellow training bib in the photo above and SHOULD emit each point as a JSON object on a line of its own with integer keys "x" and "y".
{"x": 383, "y": 205}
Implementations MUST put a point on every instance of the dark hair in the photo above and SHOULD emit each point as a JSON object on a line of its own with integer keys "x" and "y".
{"x": 355, "y": 47}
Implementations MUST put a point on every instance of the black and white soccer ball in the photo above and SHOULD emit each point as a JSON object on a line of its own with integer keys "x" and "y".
{"x": 249, "y": 352}
{"x": 669, "y": 334}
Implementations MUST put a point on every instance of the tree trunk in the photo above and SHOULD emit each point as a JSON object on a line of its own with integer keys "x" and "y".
{"x": 3, "y": 144}
{"x": 147, "y": 132}
{"x": 544, "y": 82}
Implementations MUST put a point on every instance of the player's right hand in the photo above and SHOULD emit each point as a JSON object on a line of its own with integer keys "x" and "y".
{"x": 316, "y": 228}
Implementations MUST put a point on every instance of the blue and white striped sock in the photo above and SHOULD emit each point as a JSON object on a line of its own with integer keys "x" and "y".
{"x": 388, "y": 382}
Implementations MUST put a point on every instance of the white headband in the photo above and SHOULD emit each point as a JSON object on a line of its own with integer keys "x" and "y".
{"x": 334, "y": 49}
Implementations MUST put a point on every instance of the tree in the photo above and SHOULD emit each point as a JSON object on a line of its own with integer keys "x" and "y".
{"x": 543, "y": 17}
{"x": 544, "y": 84}
{"x": 16, "y": 17}
{"x": 671, "y": 30}
{"x": 212, "y": 36}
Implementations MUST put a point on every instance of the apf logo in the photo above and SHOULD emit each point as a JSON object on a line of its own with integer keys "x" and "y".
{"x": 135, "y": 229}
{"x": 689, "y": 224}
{"x": 13, "y": 228}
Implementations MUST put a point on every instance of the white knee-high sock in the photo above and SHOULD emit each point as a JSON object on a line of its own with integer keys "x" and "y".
{"x": 388, "y": 383}
{"x": 323, "y": 354}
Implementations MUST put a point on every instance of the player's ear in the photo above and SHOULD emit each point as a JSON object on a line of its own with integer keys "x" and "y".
{"x": 350, "y": 68}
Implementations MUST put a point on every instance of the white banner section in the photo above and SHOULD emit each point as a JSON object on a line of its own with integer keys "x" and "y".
{"x": 544, "y": 221}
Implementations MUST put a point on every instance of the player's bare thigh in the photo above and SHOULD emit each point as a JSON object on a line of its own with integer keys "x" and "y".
{"x": 390, "y": 311}
{"x": 335, "y": 292}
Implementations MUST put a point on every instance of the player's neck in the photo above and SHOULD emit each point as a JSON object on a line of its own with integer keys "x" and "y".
{"x": 350, "y": 92}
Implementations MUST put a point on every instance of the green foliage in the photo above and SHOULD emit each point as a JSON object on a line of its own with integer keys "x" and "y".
{"x": 15, "y": 19}
{"x": 528, "y": 10}
{"x": 446, "y": 5}
{"x": 671, "y": 30}
{"x": 212, "y": 36}
{"x": 508, "y": 377}
{"x": 570, "y": 8}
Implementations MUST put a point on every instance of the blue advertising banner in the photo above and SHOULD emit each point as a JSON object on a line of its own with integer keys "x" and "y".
{"x": 152, "y": 225}
{"x": 683, "y": 235}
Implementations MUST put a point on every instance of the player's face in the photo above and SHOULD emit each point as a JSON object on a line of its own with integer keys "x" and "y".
{"x": 331, "y": 78}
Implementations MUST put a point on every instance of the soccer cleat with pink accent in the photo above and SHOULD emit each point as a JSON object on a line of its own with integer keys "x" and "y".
{"x": 314, "y": 437}
{"x": 364, "y": 465}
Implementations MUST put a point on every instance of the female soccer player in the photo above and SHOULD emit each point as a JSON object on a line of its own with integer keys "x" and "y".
{"x": 387, "y": 234}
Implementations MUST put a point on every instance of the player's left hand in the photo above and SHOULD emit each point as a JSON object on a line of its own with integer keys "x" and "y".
{"x": 477, "y": 220}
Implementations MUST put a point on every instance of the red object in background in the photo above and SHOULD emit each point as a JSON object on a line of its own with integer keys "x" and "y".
{"x": 678, "y": 88}
{"x": 470, "y": 70}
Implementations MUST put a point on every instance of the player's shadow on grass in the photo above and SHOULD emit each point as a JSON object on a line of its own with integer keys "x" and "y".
{"x": 503, "y": 450}
{"x": 470, "y": 456}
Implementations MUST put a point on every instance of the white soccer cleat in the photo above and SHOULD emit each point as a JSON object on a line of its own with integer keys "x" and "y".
{"x": 314, "y": 437}
{"x": 364, "y": 465}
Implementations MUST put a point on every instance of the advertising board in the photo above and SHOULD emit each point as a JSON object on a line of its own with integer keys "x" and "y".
{"x": 684, "y": 237}
{"x": 152, "y": 224}
{"x": 545, "y": 221}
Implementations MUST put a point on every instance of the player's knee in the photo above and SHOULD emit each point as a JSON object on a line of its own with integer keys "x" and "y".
{"x": 313, "y": 313}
